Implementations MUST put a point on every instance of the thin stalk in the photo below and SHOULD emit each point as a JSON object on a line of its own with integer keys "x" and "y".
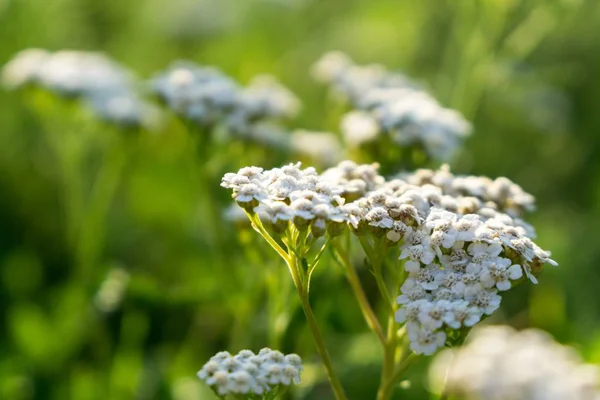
{"x": 257, "y": 225}
{"x": 94, "y": 225}
{"x": 377, "y": 264}
{"x": 316, "y": 262}
{"x": 359, "y": 293}
{"x": 336, "y": 385}
{"x": 334, "y": 381}
{"x": 297, "y": 272}
{"x": 389, "y": 356}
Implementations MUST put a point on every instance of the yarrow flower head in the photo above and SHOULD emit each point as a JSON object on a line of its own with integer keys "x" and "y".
{"x": 208, "y": 97}
{"x": 247, "y": 373}
{"x": 66, "y": 72}
{"x": 200, "y": 94}
{"x": 390, "y": 104}
{"x": 106, "y": 88}
{"x": 462, "y": 244}
{"x": 500, "y": 363}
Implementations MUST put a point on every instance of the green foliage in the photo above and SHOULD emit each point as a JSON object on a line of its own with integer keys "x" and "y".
{"x": 79, "y": 199}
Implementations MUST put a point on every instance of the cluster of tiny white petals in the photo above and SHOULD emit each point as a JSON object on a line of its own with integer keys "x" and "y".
{"x": 499, "y": 194}
{"x": 355, "y": 81}
{"x": 200, "y": 94}
{"x": 288, "y": 195}
{"x": 67, "y": 72}
{"x": 107, "y": 88}
{"x": 499, "y": 363}
{"x": 392, "y": 105}
{"x": 460, "y": 248}
{"x": 208, "y": 97}
{"x": 265, "y": 98}
{"x": 249, "y": 373}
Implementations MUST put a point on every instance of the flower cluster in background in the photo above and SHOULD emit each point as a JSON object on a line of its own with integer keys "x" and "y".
{"x": 207, "y": 97}
{"x": 107, "y": 88}
{"x": 390, "y": 104}
{"x": 251, "y": 374}
{"x": 499, "y": 363}
{"x": 460, "y": 245}
{"x": 386, "y": 103}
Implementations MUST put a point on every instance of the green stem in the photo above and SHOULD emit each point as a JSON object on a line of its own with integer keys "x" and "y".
{"x": 376, "y": 261}
{"x": 336, "y": 385}
{"x": 371, "y": 319}
{"x": 93, "y": 229}
{"x": 297, "y": 271}
{"x": 334, "y": 381}
{"x": 258, "y": 226}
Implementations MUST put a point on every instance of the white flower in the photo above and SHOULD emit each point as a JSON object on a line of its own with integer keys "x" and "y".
{"x": 425, "y": 341}
{"x": 354, "y": 214}
{"x": 410, "y": 311}
{"x": 248, "y": 373}
{"x": 439, "y": 219}
{"x": 249, "y": 193}
{"x": 24, "y": 67}
{"x": 330, "y": 66}
{"x": 303, "y": 208}
{"x": 487, "y": 300}
{"x": 466, "y": 227}
{"x": 481, "y": 251}
{"x": 416, "y": 255}
{"x": 468, "y": 285}
{"x": 411, "y": 292}
{"x": 500, "y": 363}
{"x": 461, "y": 313}
{"x": 430, "y": 277}
{"x": 359, "y": 127}
{"x": 499, "y": 272}
{"x": 379, "y": 217}
{"x": 276, "y": 211}
{"x": 323, "y": 147}
{"x": 398, "y": 231}
{"x": 431, "y": 314}
{"x": 456, "y": 263}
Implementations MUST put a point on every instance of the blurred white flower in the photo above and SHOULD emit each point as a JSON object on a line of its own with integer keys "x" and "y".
{"x": 499, "y": 363}
{"x": 24, "y": 67}
{"x": 323, "y": 147}
{"x": 108, "y": 89}
{"x": 390, "y": 104}
{"x": 359, "y": 127}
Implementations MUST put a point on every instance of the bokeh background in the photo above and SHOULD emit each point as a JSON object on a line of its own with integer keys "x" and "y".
{"x": 526, "y": 73}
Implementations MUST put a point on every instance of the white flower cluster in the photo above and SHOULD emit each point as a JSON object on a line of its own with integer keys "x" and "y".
{"x": 499, "y": 363}
{"x": 207, "y": 97}
{"x": 249, "y": 373}
{"x": 106, "y": 87}
{"x": 288, "y": 194}
{"x": 200, "y": 94}
{"x": 459, "y": 250}
{"x": 355, "y": 81}
{"x": 390, "y": 104}
{"x": 499, "y": 194}
{"x": 263, "y": 99}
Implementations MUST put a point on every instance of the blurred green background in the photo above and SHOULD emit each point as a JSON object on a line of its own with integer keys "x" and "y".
{"x": 526, "y": 73}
